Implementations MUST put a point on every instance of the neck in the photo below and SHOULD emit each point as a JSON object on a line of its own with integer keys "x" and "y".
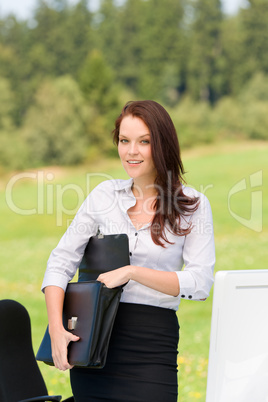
{"x": 144, "y": 188}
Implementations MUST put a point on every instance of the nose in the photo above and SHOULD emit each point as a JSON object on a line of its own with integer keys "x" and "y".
{"x": 133, "y": 148}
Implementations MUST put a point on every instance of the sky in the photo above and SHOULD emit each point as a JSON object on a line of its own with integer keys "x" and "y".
{"x": 23, "y": 8}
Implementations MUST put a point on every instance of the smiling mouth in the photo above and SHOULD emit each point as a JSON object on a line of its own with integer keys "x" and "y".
{"x": 134, "y": 162}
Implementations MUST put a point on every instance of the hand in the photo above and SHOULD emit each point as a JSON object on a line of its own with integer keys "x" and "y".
{"x": 117, "y": 277}
{"x": 60, "y": 339}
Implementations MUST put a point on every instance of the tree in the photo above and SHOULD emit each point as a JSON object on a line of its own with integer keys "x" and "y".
{"x": 162, "y": 51}
{"x": 233, "y": 51}
{"x": 255, "y": 23}
{"x": 97, "y": 82}
{"x": 13, "y": 153}
{"x": 55, "y": 125}
{"x": 109, "y": 38}
{"x": 118, "y": 31}
{"x": 14, "y": 63}
{"x": 65, "y": 33}
{"x": 254, "y": 104}
{"x": 152, "y": 43}
{"x": 6, "y": 104}
{"x": 143, "y": 42}
{"x": 206, "y": 62}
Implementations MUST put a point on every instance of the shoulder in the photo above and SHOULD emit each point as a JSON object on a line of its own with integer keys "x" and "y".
{"x": 103, "y": 197}
{"x": 192, "y": 192}
{"x": 204, "y": 203}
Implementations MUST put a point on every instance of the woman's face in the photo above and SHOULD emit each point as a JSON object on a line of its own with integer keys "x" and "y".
{"x": 134, "y": 148}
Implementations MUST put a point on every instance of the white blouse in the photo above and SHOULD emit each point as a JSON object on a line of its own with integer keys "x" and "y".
{"x": 105, "y": 209}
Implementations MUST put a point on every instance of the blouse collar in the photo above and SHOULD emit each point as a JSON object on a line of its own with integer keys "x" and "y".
{"x": 125, "y": 185}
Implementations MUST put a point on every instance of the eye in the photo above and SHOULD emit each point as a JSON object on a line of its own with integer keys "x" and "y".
{"x": 145, "y": 142}
{"x": 123, "y": 141}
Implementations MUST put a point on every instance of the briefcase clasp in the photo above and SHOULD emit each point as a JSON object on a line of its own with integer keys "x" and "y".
{"x": 72, "y": 323}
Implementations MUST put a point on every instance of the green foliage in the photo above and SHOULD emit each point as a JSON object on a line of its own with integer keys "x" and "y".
{"x": 256, "y": 120}
{"x": 255, "y": 21}
{"x": 254, "y": 101}
{"x": 193, "y": 122}
{"x": 244, "y": 116}
{"x": 227, "y": 119}
{"x": 152, "y": 30}
{"x": 54, "y": 127}
{"x": 65, "y": 34}
{"x": 100, "y": 90}
{"x": 13, "y": 152}
{"x": 233, "y": 50}
{"x": 208, "y": 68}
{"x": 255, "y": 89}
{"x": 206, "y": 61}
{"x": 6, "y": 104}
{"x": 97, "y": 82}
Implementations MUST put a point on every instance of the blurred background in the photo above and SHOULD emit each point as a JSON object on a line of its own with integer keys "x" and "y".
{"x": 66, "y": 70}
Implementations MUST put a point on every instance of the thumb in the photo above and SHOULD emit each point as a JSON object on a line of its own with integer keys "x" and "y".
{"x": 73, "y": 338}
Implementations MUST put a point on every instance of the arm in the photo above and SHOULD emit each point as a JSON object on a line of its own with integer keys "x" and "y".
{"x": 196, "y": 278}
{"x": 162, "y": 281}
{"x": 60, "y": 338}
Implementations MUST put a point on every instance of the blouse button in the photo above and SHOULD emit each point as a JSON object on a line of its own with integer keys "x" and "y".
{"x": 130, "y": 254}
{"x": 182, "y": 295}
{"x": 190, "y": 297}
{"x": 136, "y": 234}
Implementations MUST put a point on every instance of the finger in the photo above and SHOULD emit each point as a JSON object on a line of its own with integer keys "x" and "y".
{"x": 61, "y": 363}
{"x": 72, "y": 338}
{"x": 100, "y": 278}
{"x": 60, "y": 358}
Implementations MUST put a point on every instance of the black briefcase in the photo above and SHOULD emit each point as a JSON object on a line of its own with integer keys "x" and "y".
{"x": 90, "y": 307}
{"x": 89, "y": 312}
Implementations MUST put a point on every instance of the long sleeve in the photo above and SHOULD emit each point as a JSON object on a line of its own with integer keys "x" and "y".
{"x": 66, "y": 257}
{"x": 198, "y": 255}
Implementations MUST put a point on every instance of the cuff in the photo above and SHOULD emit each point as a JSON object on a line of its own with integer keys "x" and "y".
{"x": 187, "y": 284}
{"x": 55, "y": 279}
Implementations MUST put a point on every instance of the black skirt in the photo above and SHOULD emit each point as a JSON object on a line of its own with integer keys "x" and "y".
{"x": 141, "y": 363}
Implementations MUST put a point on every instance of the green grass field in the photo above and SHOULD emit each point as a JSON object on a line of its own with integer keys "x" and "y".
{"x": 36, "y": 207}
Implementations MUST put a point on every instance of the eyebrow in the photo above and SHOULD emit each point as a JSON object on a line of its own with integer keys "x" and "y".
{"x": 141, "y": 136}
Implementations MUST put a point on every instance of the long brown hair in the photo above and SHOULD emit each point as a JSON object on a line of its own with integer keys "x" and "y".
{"x": 171, "y": 204}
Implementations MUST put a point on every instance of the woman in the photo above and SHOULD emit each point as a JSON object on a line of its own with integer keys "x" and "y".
{"x": 168, "y": 225}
